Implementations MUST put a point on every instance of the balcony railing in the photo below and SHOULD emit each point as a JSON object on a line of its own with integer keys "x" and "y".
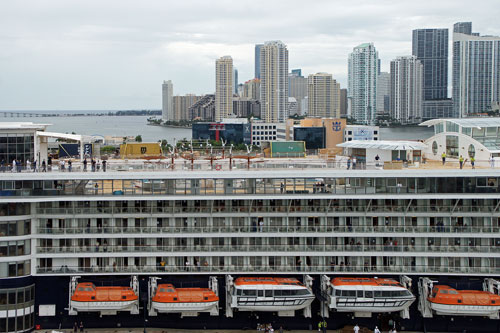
{"x": 197, "y": 249}
{"x": 284, "y": 269}
{"x": 271, "y": 229}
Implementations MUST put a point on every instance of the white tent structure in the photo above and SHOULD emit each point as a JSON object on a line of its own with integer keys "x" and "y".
{"x": 384, "y": 149}
{"x": 41, "y": 142}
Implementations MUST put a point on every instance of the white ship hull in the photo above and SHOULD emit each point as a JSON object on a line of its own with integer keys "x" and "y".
{"x": 104, "y": 306}
{"x": 465, "y": 310}
{"x": 370, "y": 306}
{"x": 184, "y": 307}
{"x": 271, "y": 304}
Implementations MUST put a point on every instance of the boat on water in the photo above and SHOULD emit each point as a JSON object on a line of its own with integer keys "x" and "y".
{"x": 270, "y": 294}
{"x": 169, "y": 299}
{"x": 369, "y": 295}
{"x": 448, "y": 301}
{"x": 89, "y": 298}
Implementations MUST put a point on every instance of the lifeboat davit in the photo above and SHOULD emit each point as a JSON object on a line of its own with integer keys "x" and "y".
{"x": 445, "y": 300}
{"x": 89, "y": 298}
{"x": 169, "y": 299}
{"x": 369, "y": 295}
{"x": 270, "y": 294}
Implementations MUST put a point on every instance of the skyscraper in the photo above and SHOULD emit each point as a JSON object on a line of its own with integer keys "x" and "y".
{"x": 167, "y": 109}
{"x": 274, "y": 81}
{"x": 257, "y": 60}
{"x": 362, "y": 83}
{"x": 463, "y": 28}
{"x": 383, "y": 93}
{"x": 297, "y": 88}
{"x": 223, "y": 87}
{"x": 476, "y": 73}
{"x": 235, "y": 79}
{"x": 430, "y": 46}
{"x": 343, "y": 102}
{"x": 323, "y": 96}
{"x": 406, "y": 90}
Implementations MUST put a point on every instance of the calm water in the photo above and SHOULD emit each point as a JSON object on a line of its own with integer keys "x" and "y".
{"x": 137, "y": 125}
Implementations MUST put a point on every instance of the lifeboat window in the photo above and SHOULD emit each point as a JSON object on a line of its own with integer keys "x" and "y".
{"x": 175, "y": 298}
{"x": 278, "y": 293}
{"x": 337, "y": 292}
{"x": 92, "y": 297}
{"x": 359, "y": 293}
{"x": 442, "y": 291}
{"x": 286, "y": 292}
{"x": 269, "y": 293}
{"x": 433, "y": 295}
{"x": 378, "y": 294}
{"x": 349, "y": 293}
{"x": 162, "y": 290}
{"x": 170, "y": 290}
{"x": 369, "y": 294}
{"x": 249, "y": 292}
{"x": 124, "y": 297}
{"x": 89, "y": 289}
{"x": 459, "y": 301}
{"x": 453, "y": 292}
{"x": 239, "y": 292}
{"x": 260, "y": 293}
{"x": 205, "y": 298}
{"x": 81, "y": 289}
{"x": 302, "y": 292}
{"x": 492, "y": 302}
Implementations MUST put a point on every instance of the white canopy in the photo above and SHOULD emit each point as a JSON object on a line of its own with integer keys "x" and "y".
{"x": 384, "y": 145}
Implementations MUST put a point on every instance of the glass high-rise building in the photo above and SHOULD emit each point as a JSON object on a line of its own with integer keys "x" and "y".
{"x": 476, "y": 73}
{"x": 362, "y": 81}
{"x": 406, "y": 90}
{"x": 430, "y": 46}
{"x": 257, "y": 60}
{"x": 463, "y": 28}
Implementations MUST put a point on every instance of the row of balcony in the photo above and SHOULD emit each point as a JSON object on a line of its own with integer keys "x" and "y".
{"x": 268, "y": 209}
{"x": 272, "y": 248}
{"x": 378, "y": 269}
{"x": 271, "y": 229}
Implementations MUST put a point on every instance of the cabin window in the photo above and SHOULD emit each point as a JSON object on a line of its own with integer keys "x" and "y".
{"x": 286, "y": 292}
{"x": 378, "y": 294}
{"x": 239, "y": 292}
{"x": 369, "y": 294}
{"x": 337, "y": 292}
{"x": 175, "y": 298}
{"x": 92, "y": 297}
{"x": 443, "y": 291}
{"x": 277, "y": 293}
{"x": 260, "y": 293}
{"x": 349, "y": 293}
{"x": 359, "y": 293}
{"x": 170, "y": 290}
{"x": 492, "y": 302}
{"x": 162, "y": 290}
{"x": 269, "y": 293}
{"x": 205, "y": 298}
{"x": 302, "y": 292}
{"x": 81, "y": 289}
{"x": 453, "y": 292}
{"x": 459, "y": 301}
{"x": 124, "y": 297}
{"x": 88, "y": 289}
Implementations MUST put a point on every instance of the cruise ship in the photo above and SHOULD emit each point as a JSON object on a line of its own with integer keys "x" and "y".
{"x": 287, "y": 242}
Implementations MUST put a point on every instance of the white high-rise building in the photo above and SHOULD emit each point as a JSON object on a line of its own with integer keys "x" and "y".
{"x": 406, "y": 89}
{"x": 476, "y": 71}
{"x": 167, "y": 109}
{"x": 362, "y": 82}
{"x": 383, "y": 92}
{"x": 223, "y": 88}
{"x": 323, "y": 96}
{"x": 274, "y": 82}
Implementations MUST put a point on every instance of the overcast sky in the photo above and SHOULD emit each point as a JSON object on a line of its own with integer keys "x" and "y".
{"x": 108, "y": 55}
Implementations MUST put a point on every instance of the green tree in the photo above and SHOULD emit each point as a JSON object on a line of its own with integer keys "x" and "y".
{"x": 138, "y": 138}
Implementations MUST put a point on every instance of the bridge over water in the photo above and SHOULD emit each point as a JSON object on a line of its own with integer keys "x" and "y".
{"x": 13, "y": 114}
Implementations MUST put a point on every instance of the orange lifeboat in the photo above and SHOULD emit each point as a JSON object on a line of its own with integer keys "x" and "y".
{"x": 89, "y": 298}
{"x": 368, "y": 295}
{"x": 169, "y": 299}
{"x": 270, "y": 294}
{"x": 445, "y": 300}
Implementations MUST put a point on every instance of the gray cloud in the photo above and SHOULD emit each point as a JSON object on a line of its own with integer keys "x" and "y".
{"x": 58, "y": 54}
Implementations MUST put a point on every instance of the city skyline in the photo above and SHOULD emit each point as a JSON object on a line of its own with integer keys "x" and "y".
{"x": 73, "y": 56}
